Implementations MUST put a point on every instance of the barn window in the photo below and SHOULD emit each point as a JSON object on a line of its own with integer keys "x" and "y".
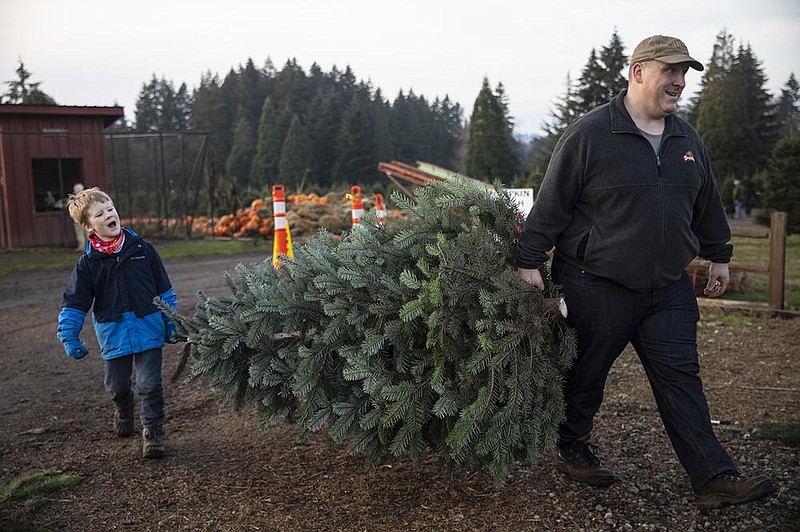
{"x": 51, "y": 184}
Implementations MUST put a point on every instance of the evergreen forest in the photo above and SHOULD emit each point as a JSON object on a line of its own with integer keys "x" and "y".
{"x": 324, "y": 129}
{"x": 303, "y": 129}
{"x": 327, "y": 130}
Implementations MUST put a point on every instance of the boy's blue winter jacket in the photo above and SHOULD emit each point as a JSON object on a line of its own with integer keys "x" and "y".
{"x": 121, "y": 287}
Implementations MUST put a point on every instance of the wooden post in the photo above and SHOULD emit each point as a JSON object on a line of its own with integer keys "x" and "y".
{"x": 777, "y": 258}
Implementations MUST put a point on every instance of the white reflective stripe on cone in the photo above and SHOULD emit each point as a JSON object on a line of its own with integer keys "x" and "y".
{"x": 280, "y": 222}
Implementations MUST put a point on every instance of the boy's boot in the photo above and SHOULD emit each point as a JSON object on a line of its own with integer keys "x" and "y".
{"x": 153, "y": 441}
{"x": 123, "y": 421}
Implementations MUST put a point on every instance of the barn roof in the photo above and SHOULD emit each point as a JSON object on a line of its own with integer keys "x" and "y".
{"x": 108, "y": 114}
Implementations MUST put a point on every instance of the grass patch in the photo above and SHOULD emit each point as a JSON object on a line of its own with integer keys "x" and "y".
{"x": 746, "y": 249}
{"x": 43, "y": 259}
{"x": 785, "y": 433}
{"x": 36, "y": 259}
{"x": 709, "y": 323}
{"x": 756, "y": 250}
{"x": 178, "y": 249}
{"x": 33, "y": 487}
{"x": 711, "y": 320}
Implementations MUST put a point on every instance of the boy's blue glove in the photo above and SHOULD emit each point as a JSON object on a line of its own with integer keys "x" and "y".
{"x": 75, "y": 348}
{"x": 169, "y": 331}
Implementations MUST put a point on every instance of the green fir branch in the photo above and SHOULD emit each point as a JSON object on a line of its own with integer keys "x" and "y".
{"x": 402, "y": 339}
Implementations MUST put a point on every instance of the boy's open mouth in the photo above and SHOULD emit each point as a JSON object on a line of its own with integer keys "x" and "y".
{"x": 112, "y": 225}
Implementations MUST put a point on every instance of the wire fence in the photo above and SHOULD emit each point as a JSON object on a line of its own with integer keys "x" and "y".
{"x": 162, "y": 183}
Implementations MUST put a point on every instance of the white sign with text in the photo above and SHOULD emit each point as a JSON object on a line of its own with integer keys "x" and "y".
{"x": 524, "y": 199}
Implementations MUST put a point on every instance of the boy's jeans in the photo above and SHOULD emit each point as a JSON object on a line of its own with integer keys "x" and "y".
{"x": 148, "y": 384}
{"x": 662, "y": 326}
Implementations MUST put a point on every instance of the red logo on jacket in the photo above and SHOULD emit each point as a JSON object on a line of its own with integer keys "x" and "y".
{"x": 688, "y": 157}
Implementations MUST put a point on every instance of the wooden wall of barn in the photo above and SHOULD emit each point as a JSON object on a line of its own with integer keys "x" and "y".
{"x": 24, "y": 138}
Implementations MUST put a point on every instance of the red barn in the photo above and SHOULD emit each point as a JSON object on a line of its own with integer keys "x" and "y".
{"x": 44, "y": 151}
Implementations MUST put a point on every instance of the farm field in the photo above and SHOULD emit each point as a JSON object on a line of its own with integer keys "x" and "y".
{"x": 224, "y": 472}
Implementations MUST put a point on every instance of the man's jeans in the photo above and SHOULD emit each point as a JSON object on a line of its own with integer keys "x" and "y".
{"x": 662, "y": 327}
{"x": 148, "y": 384}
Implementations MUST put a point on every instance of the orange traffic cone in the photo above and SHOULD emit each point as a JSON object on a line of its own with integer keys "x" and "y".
{"x": 380, "y": 208}
{"x": 356, "y": 204}
{"x": 282, "y": 243}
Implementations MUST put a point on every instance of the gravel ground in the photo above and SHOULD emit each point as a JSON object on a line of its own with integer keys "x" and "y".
{"x": 224, "y": 472}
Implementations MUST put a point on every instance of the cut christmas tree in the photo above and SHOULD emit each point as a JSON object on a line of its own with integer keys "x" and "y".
{"x": 405, "y": 339}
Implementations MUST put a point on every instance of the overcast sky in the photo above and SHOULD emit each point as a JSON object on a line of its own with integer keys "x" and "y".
{"x": 101, "y": 52}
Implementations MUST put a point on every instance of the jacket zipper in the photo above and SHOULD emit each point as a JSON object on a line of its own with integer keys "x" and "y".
{"x": 663, "y": 210}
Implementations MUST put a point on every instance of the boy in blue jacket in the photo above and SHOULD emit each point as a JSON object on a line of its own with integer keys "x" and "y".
{"x": 120, "y": 274}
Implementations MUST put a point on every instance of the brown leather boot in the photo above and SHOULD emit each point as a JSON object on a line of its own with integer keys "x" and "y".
{"x": 730, "y": 488}
{"x": 580, "y": 464}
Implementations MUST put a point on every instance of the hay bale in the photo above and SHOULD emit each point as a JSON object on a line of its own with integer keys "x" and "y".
{"x": 306, "y": 218}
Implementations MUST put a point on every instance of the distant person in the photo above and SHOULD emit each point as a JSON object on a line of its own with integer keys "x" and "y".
{"x": 738, "y": 199}
{"x": 748, "y": 198}
{"x": 80, "y": 232}
{"x": 118, "y": 277}
{"x": 51, "y": 203}
{"x": 628, "y": 200}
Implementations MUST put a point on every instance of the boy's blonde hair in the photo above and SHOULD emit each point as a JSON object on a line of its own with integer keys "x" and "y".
{"x": 78, "y": 204}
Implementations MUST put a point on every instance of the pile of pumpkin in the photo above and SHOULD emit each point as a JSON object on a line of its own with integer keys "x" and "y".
{"x": 305, "y": 215}
{"x": 312, "y": 198}
{"x": 252, "y": 221}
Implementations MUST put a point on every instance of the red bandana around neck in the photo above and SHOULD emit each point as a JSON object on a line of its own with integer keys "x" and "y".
{"x": 110, "y": 247}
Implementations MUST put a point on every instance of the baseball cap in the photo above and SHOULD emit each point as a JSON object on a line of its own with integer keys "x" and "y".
{"x": 665, "y": 49}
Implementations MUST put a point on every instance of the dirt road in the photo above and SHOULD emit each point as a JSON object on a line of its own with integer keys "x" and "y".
{"x": 223, "y": 472}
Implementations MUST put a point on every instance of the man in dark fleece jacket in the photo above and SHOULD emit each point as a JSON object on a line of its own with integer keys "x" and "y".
{"x": 628, "y": 200}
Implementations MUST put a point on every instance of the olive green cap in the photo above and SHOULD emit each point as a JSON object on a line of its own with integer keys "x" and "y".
{"x": 665, "y": 49}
